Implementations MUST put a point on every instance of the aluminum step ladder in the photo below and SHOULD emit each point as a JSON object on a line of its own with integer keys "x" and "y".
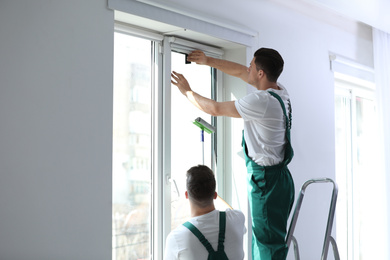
{"x": 328, "y": 238}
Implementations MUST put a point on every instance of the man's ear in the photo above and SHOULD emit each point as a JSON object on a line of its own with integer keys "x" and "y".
{"x": 215, "y": 195}
{"x": 186, "y": 194}
{"x": 260, "y": 73}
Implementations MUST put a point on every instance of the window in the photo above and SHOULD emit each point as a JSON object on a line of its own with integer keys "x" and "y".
{"x": 132, "y": 175}
{"x": 356, "y": 132}
{"x": 187, "y": 148}
{"x": 154, "y": 140}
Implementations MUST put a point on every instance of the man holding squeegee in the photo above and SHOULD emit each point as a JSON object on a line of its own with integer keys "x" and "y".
{"x": 266, "y": 143}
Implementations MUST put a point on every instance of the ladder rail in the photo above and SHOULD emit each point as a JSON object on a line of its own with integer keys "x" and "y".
{"x": 335, "y": 249}
{"x": 296, "y": 248}
{"x": 332, "y": 209}
{"x": 328, "y": 238}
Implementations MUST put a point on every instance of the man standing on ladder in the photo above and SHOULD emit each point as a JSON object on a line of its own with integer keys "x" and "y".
{"x": 266, "y": 143}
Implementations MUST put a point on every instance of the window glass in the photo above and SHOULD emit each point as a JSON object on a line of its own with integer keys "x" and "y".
{"x": 364, "y": 164}
{"x": 356, "y": 141}
{"x": 131, "y": 207}
{"x": 186, "y": 146}
{"x": 343, "y": 173}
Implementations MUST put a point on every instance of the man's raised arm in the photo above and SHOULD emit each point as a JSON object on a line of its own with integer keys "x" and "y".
{"x": 228, "y": 67}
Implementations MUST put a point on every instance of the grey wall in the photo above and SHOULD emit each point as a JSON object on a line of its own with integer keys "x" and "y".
{"x": 55, "y": 129}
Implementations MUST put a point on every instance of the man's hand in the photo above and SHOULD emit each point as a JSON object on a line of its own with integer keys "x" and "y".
{"x": 197, "y": 56}
{"x": 207, "y": 105}
{"x": 181, "y": 82}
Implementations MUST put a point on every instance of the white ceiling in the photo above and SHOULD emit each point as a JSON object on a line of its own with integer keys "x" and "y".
{"x": 375, "y": 13}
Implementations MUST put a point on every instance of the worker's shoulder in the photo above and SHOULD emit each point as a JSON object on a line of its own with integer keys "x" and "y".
{"x": 234, "y": 213}
{"x": 255, "y": 97}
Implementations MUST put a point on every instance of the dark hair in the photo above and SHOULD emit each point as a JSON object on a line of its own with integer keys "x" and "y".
{"x": 270, "y": 61}
{"x": 201, "y": 185}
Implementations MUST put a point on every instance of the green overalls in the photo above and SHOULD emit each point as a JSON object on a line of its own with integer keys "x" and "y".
{"x": 271, "y": 196}
{"x": 220, "y": 253}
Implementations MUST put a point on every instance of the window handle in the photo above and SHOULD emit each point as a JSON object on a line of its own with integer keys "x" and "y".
{"x": 171, "y": 180}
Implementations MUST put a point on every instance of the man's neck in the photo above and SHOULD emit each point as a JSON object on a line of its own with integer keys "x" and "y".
{"x": 198, "y": 211}
{"x": 264, "y": 85}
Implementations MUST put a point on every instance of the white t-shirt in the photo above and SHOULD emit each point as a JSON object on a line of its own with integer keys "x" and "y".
{"x": 182, "y": 244}
{"x": 264, "y": 125}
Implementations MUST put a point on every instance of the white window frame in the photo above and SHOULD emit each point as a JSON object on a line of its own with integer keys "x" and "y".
{"x": 351, "y": 80}
{"x": 161, "y": 150}
{"x": 173, "y": 44}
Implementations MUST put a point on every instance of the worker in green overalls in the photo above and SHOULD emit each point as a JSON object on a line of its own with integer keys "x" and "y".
{"x": 266, "y": 142}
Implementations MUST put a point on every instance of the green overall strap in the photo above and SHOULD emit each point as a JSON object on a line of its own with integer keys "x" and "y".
{"x": 288, "y": 120}
{"x": 222, "y": 226}
{"x": 289, "y": 153}
{"x": 200, "y": 236}
{"x": 203, "y": 240}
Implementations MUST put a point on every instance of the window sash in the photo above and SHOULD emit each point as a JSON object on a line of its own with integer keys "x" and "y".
{"x": 160, "y": 128}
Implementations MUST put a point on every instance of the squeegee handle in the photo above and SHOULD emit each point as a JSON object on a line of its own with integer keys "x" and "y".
{"x": 202, "y": 140}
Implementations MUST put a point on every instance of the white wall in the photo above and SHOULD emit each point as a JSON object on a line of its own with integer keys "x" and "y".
{"x": 371, "y": 12}
{"x": 55, "y": 129}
